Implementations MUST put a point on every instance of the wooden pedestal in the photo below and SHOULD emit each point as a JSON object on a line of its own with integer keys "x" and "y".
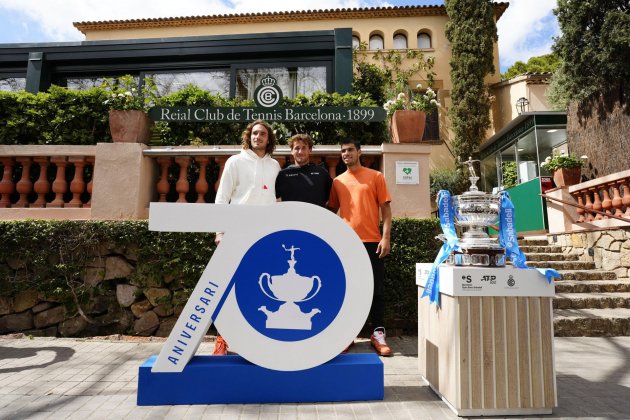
{"x": 489, "y": 355}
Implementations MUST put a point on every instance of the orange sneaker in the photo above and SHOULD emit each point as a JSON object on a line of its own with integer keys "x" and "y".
{"x": 378, "y": 342}
{"x": 220, "y": 347}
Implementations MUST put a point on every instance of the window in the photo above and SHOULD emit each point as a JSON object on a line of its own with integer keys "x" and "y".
{"x": 400, "y": 42}
{"x": 12, "y": 84}
{"x": 83, "y": 83}
{"x": 356, "y": 42}
{"x": 424, "y": 40}
{"x": 216, "y": 82}
{"x": 376, "y": 42}
{"x": 291, "y": 80}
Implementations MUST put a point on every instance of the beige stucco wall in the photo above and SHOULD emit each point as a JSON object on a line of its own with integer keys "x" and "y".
{"x": 387, "y": 27}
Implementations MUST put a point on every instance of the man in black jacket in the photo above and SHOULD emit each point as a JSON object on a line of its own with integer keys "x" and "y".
{"x": 303, "y": 181}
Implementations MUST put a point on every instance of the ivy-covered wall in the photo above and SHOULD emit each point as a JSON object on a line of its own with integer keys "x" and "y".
{"x": 85, "y": 278}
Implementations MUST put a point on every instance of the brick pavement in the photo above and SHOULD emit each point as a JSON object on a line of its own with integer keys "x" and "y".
{"x": 97, "y": 379}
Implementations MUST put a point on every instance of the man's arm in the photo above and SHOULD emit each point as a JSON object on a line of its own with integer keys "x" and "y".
{"x": 224, "y": 192}
{"x": 384, "y": 246}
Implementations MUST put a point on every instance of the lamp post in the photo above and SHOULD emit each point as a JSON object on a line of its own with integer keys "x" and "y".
{"x": 522, "y": 105}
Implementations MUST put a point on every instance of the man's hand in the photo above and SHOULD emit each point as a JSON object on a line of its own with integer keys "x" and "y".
{"x": 218, "y": 237}
{"x": 383, "y": 248}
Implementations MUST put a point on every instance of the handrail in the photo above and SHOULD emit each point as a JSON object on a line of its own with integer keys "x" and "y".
{"x": 591, "y": 210}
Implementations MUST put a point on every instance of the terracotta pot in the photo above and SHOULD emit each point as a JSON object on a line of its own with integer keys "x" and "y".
{"x": 565, "y": 177}
{"x": 408, "y": 126}
{"x": 129, "y": 126}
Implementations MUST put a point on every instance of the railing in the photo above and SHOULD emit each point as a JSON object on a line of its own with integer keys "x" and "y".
{"x": 192, "y": 174}
{"x": 46, "y": 176}
{"x": 602, "y": 198}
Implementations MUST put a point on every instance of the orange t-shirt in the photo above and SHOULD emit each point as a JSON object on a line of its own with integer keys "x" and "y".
{"x": 359, "y": 194}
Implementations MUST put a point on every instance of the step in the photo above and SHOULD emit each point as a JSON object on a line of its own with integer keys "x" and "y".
{"x": 592, "y": 286}
{"x": 548, "y": 256}
{"x": 587, "y": 275}
{"x": 563, "y": 265}
{"x": 533, "y": 242}
{"x": 592, "y": 300}
{"x": 591, "y": 322}
{"x": 538, "y": 249}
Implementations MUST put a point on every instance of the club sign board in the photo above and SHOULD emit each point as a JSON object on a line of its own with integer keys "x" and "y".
{"x": 267, "y": 96}
{"x": 288, "y": 287}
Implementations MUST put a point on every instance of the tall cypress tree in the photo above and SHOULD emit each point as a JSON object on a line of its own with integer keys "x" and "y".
{"x": 472, "y": 31}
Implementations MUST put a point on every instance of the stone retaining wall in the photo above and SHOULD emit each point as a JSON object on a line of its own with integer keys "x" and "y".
{"x": 609, "y": 249}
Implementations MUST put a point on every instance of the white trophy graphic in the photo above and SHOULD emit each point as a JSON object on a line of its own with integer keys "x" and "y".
{"x": 290, "y": 288}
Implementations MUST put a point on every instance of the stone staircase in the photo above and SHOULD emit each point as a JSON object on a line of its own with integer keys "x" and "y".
{"x": 589, "y": 302}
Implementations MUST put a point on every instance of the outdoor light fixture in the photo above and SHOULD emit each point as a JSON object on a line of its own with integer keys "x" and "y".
{"x": 522, "y": 105}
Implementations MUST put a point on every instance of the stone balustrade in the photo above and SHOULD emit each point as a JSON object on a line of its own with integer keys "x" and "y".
{"x": 118, "y": 181}
{"x": 46, "y": 177}
{"x": 609, "y": 195}
{"x": 192, "y": 174}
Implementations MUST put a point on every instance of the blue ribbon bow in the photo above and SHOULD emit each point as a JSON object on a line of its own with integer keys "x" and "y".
{"x": 507, "y": 237}
{"x": 447, "y": 217}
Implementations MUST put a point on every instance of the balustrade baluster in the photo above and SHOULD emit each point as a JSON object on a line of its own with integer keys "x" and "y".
{"x": 77, "y": 186}
{"x": 368, "y": 161}
{"x": 617, "y": 203}
{"x": 90, "y": 162}
{"x": 597, "y": 203}
{"x": 606, "y": 202}
{"x": 24, "y": 186}
{"x": 41, "y": 186}
{"x": 59, "y": 185}
{"x": 7, "y": 186}
{"x": 282, "y": 160}
{"x": 589, "y": 205}
{"x": 163, "y": 185}
{"x": 219, "y": 160}
{"x": 316, "y": 160}
{"x": 579, "y": 210}
{"x": 182, "y": 186}
{"x": 331, "y": 162}
{"x": 626, "y": 198}
{"x": 201, "y": 187}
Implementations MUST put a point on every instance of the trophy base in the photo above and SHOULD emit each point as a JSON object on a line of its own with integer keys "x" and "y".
{"x": 481, "y": 257}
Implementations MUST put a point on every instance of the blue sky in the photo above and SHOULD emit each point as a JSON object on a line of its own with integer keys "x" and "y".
{"x": 525, "y": 30}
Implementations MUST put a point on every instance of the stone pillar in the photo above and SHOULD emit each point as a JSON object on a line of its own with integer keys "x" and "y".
{"x": 559, "y": 216}
{"x": 124, "y": 182}
{"x": 408, "y": 200}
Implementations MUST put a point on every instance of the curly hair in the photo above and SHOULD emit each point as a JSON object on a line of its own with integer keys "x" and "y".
{"x": 303, "y": 138}
{"x": 246, "y": 137}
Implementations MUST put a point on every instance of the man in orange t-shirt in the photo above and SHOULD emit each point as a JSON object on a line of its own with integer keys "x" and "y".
{"x": 362, "y": 198}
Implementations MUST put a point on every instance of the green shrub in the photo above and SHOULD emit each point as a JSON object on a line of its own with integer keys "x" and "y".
{"x": 62, "y": 116}
{"x": 52, "y": 256}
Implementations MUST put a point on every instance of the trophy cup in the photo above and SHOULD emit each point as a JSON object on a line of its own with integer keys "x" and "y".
{"x": 474, "y": 211}
{"x": 290, "y": 288}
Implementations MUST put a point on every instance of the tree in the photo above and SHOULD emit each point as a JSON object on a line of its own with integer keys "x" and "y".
{"x": 548, "y": 63}
{"x": 594, "y": 48}
{"x": 472, "y": 31}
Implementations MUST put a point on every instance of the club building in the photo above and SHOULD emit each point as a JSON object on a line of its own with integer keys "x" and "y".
{"x": 305, "y": 51}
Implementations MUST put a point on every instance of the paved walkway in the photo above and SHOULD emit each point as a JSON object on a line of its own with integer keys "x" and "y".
{"x": 91, "y": 379}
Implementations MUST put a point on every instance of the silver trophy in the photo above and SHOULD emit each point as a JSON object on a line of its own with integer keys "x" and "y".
{"x": 475, "y": 211}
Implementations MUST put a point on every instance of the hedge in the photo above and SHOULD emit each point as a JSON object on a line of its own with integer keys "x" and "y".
{"x": 52, "y": 257}
{"x": 62, "y": 116}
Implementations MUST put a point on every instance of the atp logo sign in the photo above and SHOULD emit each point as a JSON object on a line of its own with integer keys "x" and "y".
{"x": 289, "y": 287}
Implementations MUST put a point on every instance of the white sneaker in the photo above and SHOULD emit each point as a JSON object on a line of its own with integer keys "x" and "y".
{"x": 378, "y": 342}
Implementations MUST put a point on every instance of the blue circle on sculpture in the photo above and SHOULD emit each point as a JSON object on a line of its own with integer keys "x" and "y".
{"x": 290, "y": 285}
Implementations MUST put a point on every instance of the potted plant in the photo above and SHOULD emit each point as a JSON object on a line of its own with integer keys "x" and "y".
{"x": 566, "y": 169}
{"x": 408, "y": 114}
{"x": 128, "y": 103}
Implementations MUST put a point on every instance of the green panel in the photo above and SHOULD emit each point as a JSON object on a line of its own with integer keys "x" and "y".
{"x": 528, "y": 206}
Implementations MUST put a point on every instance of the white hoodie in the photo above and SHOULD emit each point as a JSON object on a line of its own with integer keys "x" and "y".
{"x": 248, "y": 179}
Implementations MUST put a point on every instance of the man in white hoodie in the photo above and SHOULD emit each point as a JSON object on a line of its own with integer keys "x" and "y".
{"x": 249, "y": 178}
